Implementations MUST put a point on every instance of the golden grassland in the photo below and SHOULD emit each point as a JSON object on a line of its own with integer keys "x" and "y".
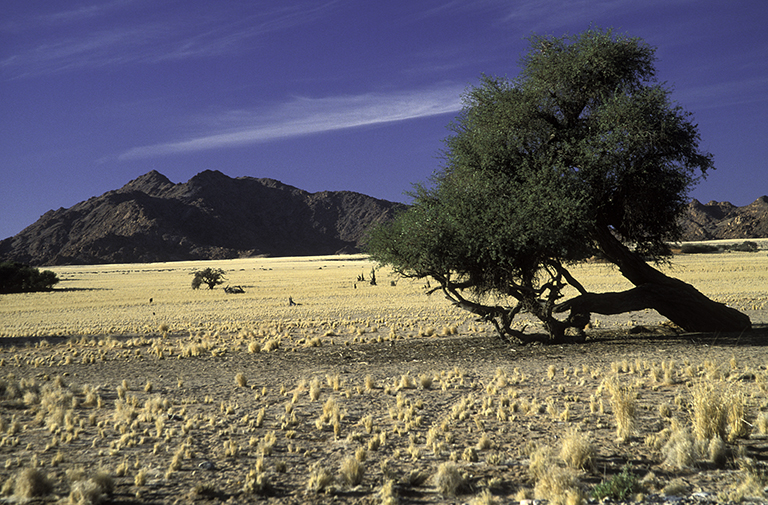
{"x": 115, "y": 299}
{"x": 366, "y": 394}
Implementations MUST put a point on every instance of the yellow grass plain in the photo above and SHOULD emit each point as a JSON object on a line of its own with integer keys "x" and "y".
{"x": 115, "y": 299}
{"x": 249, "y": 398}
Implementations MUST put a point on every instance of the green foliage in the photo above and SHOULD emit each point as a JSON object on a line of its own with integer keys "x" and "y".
{"x": 581, "y": 142}
{"x": 619, "y": 487}
{"x": 211, "y": 277}
{"x": 20, "y": 278}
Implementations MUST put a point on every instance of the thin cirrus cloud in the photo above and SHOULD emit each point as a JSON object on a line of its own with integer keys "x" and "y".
{"x": 138, "y": 40}
{"x": 306, "y": 116}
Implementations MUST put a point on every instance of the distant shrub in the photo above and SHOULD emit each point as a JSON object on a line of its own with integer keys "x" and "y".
{"x": 20, "y": 278}
{"x": 746, "y": 246}
{"x": 699, "y": 249}
{"x": 211, "y": 277}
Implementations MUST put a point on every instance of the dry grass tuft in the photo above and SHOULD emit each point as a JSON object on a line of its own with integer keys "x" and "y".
{"x": 352, "y": 471}
{"x": 320, "y": 480}
{"x": 388, "y": 493}
{"x": 484, "y": 498}
{"x": 552, "y": 482}
{"x": 90, "y": 491}
{"x": 681, "y": 450}
{"x": 31, "y": 483}
{"x": 448, "y": 479}
{"x": 577, "y": 450}
{"x": 256, "y": 483}
{"x": 559, "y": 486}
{"x": 718, "y": 410}
{"x": 624, "y": 404}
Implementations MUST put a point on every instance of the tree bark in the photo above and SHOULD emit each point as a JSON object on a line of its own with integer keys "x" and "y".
{"x": 678, "y": 301}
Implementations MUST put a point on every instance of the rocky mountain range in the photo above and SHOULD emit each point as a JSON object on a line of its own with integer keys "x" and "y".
{"x": 723, "y": 220}
{"x": 213, "y": 216}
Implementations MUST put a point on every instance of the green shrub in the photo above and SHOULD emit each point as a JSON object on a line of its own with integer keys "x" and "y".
{"x": 619, "y": 487}
{"x": 20, "y": 278}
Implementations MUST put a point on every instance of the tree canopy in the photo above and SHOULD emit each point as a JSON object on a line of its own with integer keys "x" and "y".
{"x": 211, "y": 277}
{"x": 583, "y": 153}
{"x": 20, "y": 278}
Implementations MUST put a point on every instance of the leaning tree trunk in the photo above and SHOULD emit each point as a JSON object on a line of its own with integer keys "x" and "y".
{"x": 678, "y": 301}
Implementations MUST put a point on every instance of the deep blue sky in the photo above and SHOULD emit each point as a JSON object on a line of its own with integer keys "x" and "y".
{"x": 338, "y": 95}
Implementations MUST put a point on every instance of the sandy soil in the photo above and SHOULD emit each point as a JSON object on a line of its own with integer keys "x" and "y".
{"x": 166, "y": 418}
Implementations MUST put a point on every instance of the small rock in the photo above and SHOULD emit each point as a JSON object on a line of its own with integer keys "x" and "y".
{"x": 206, "y": 465}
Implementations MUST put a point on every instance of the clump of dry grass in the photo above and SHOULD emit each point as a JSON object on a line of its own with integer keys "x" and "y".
{"x": 407, "y": 382}
{"x": 751, "y": 486}
{"x": 320, "y": 479}
{"x": 560, "y": 486}
{"x": 314, "y": 389}
{"x": 351, "y": 471}
{"x": 448, "y": 479}
{"x": 577, "y": 450}
{"x": 624, "y": 405}
{"x": 271, "y": 345}
{"x": 370, "y": 383}
{"x": 761, "y": 423}
{"x": 256, "y": 482}
{"x": 28, "y": 483}
{"x": 552, "y": 482}
{"x": 681, "y": 450}
{"x": 484, "y": 498}
{"x": 240, "y": 380}
{"x": 89, "y": 491}
{"x": 718, "y": 409}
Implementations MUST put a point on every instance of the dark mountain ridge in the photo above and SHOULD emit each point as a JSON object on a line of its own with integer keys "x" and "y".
{"x": 211, "y": 216}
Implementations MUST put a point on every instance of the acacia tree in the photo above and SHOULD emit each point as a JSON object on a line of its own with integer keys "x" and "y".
{"x": 582, "y": 154}
{"x": 211, "y": 277}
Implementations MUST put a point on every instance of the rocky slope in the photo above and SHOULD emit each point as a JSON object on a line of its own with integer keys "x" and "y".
{"x": 208, "y": 217}
{"x": 723, "y": 220}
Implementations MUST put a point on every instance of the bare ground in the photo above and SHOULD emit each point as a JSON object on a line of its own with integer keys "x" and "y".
{"x": 195, "y": 435}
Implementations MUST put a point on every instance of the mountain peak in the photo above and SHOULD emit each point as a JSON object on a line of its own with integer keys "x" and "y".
{"x": 153, "y": 183}
{"x": 211, "y": 216}
{"x": 209, "y": 177}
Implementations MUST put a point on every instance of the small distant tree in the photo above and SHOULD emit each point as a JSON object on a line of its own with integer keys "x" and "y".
{"x": 20, "y": 278}
{"x": 212, "y": 277}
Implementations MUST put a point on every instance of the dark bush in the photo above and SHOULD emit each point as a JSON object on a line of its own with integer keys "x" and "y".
{"x": 20, "y": 278}
{"x": 746, "y": 246}
{"x": 699, "y": 249}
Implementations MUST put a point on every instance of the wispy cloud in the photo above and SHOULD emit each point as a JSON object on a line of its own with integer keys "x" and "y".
{"x": 103, "y": 35}
{"x": 727, "y": 93}
{"x": 305, "y": 116}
